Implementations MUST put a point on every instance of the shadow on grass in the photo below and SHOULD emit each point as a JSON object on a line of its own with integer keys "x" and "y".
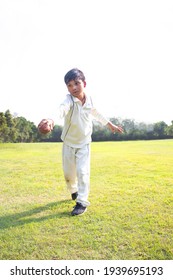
{"x": 23, "y": 218}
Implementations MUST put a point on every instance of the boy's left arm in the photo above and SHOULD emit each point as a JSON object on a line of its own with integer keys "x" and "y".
{"x": 104, "y": 121}
{"x": 114, "y": 128}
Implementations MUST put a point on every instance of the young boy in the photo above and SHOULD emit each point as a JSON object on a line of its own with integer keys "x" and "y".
{"x": 78, "y": 111}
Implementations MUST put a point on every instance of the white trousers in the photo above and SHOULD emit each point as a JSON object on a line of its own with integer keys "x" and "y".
{"x": 76, "y": 167}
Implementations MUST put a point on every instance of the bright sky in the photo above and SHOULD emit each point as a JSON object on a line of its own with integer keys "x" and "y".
{"x": 124, "y": 48}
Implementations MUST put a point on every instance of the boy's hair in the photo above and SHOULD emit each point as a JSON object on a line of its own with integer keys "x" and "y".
{"x": 74, "y": 74}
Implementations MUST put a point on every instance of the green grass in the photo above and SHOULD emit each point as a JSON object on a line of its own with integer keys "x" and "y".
{"x": 131, "y": 211}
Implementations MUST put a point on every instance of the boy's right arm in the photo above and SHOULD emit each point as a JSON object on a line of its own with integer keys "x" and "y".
{"x": 65, "y": 107}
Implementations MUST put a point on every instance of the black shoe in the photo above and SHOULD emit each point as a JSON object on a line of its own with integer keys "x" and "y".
{"x": 74, "y": 195}
{"x": 79, "y": 209}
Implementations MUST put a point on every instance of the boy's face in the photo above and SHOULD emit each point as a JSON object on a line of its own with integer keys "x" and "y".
{"x": 76, "y": 87}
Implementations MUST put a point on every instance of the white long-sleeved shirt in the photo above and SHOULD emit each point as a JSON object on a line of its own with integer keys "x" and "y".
{"x": 78, "y": 118}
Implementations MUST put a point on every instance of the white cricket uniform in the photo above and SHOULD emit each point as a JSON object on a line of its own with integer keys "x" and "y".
{"x": 76, "y": 137}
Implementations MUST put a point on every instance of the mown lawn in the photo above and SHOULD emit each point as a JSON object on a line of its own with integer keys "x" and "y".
{"x": 131, "y": 211}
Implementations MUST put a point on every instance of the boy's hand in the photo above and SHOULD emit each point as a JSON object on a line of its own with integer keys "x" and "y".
{"x": 114, "y": 128}
{"x": 50, "y": 122}
{"x": 46, "y": 126}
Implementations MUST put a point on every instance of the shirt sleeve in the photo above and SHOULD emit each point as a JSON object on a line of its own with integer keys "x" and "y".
{"x": 64, "y": 107}
{"x": 99, "y": 117}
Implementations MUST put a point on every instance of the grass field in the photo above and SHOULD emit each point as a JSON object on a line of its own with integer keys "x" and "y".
{"x": 131, "y": 211}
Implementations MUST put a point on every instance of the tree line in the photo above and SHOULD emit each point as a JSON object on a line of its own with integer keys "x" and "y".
{"x": 16, "y": 129}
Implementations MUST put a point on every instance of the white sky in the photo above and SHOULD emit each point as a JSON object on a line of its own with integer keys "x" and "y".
{"x": 124, "y": 48}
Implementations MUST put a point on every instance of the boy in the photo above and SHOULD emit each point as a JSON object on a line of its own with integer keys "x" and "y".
{"x": 78, "y": 110}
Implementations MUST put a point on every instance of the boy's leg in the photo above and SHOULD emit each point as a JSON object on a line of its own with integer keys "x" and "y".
{"x": 69, "y": 168}
{"x": 83, "y": 174}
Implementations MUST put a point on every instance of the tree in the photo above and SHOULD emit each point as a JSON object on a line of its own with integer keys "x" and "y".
{"x": 11, "y": 133}
{"x": 159, "y": 130}
{"x": 56, "y": 134}
{"x": 18, "y": 129}
{"x": 128, "y": 125}
{"x": 169, "y": 130}
{"x": 26, "y": 130}
{"x": 3, "y": 127}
